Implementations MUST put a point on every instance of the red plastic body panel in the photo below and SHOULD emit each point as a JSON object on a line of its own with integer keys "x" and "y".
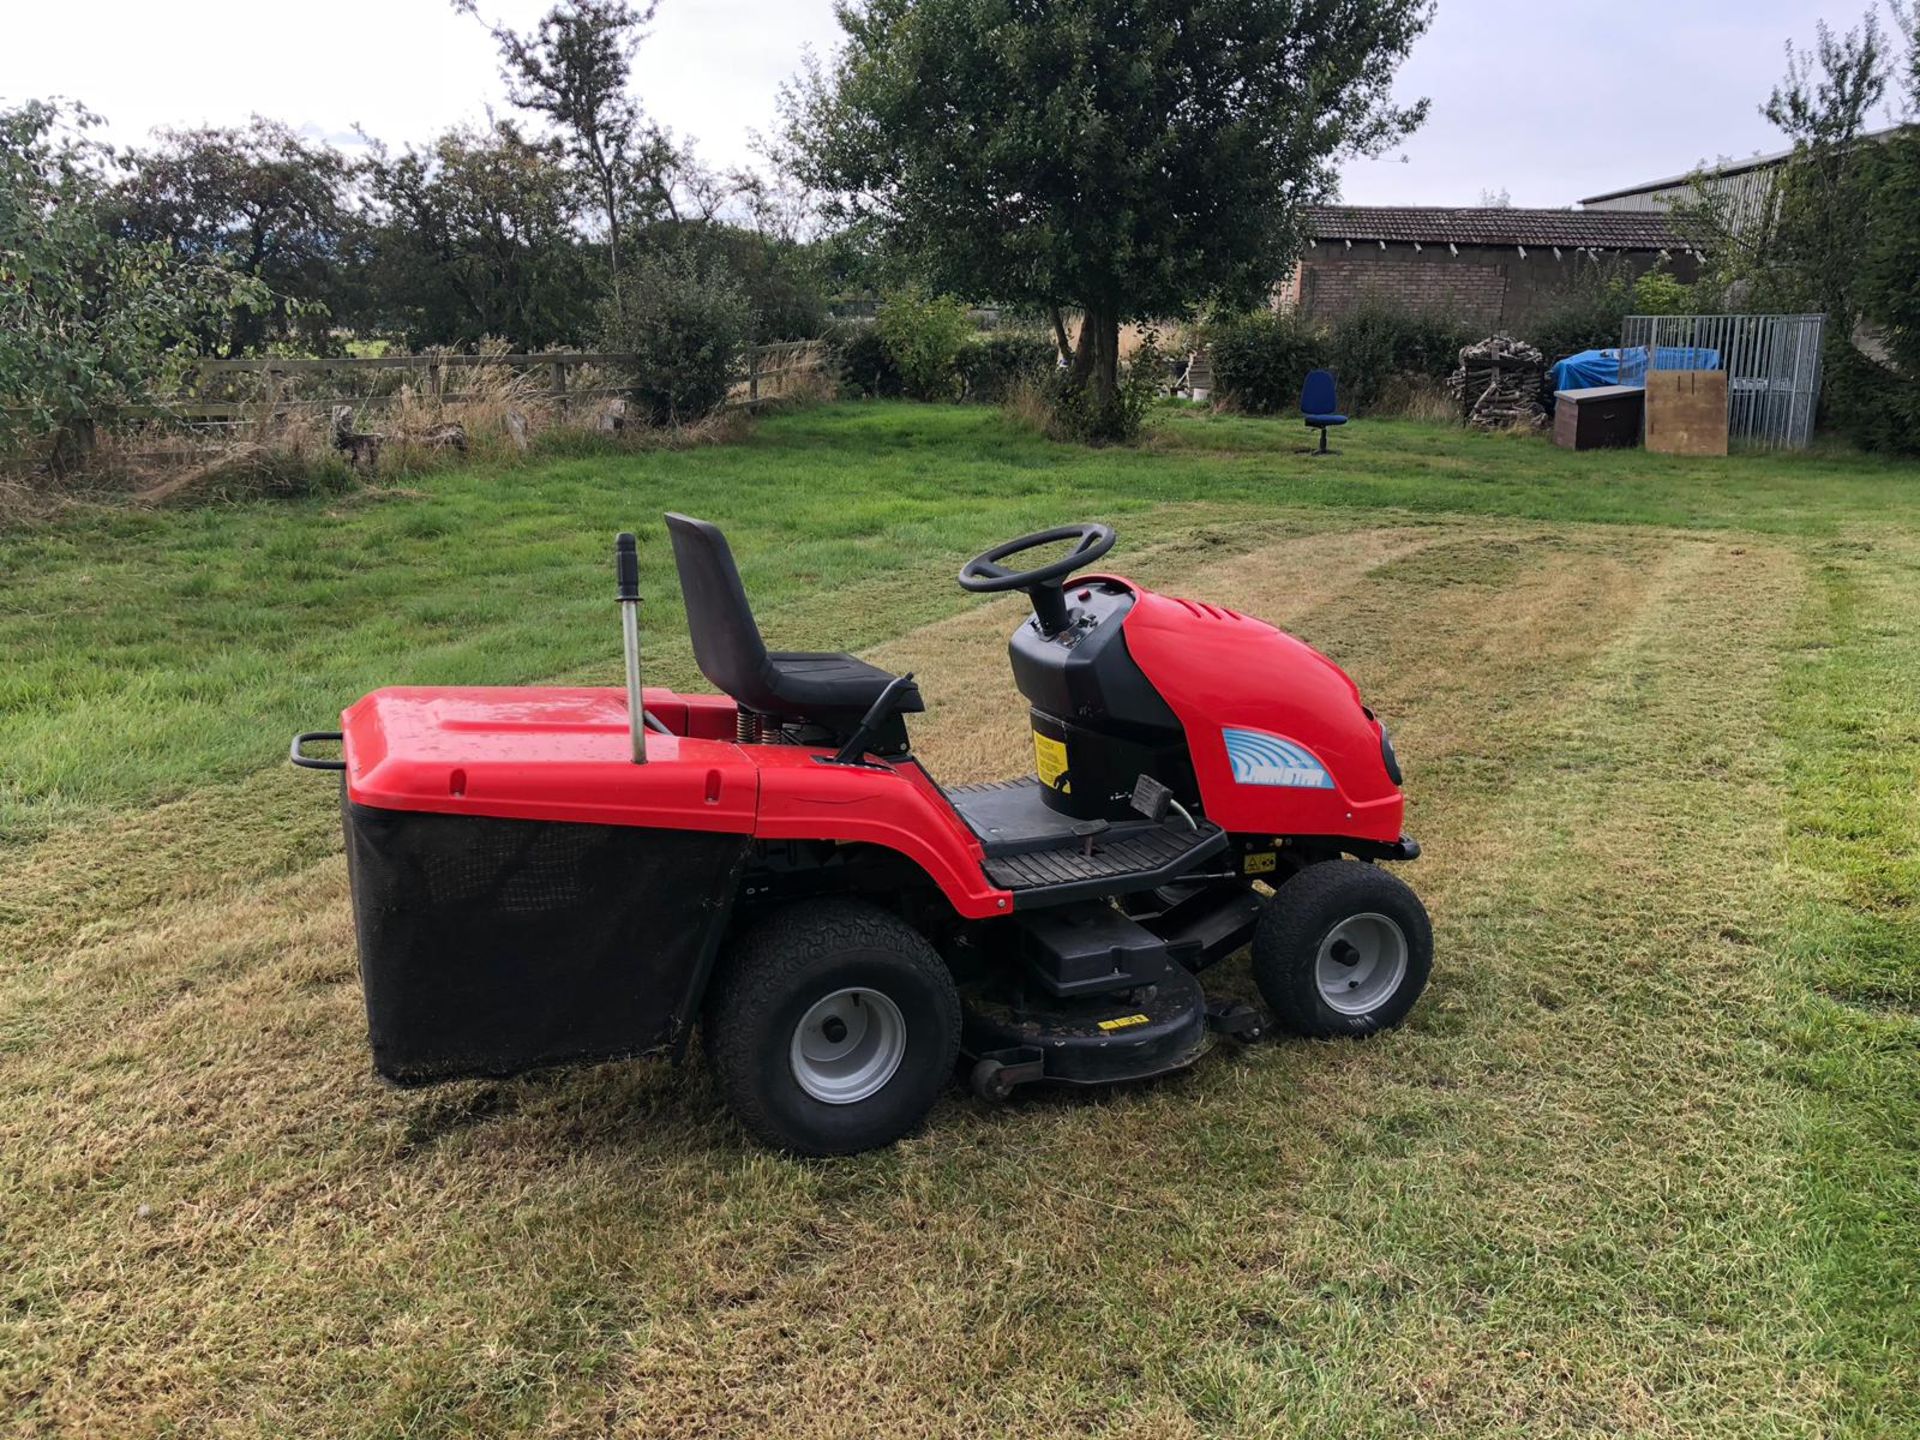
{"x": 896, "y": 806}
{"x": 542, "y": 753}
{"x": 562, "y": 754}
{"x": 1219, "y": 670}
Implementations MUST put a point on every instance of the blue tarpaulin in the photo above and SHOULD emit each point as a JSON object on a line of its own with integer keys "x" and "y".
{"x": 1629, "y": 366}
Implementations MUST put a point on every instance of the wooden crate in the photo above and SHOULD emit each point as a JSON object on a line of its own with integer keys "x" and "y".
{"x": 1597, "y": 417}
{"x": 1687, "y": 412}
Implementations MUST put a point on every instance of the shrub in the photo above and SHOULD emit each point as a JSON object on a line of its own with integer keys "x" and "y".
{"x": 1077, "y": 415}
{"x": 992, "y": 366}
{"x": 923, "y": 335}
{"x": 1261, "y": 359}
{"x": 1659, "y": 293}
{"x": 1871, "y": 404}
{"x": 1588, "y": 315}
{"x": 865, "y": 364}
{"x": 686, "y": 324}
{"x": 1378, "y": 345}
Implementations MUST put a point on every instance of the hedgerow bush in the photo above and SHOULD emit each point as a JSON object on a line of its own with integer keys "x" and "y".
{"x": 1378, "y": 344}
{"x": 865, "y": 364}
{"x": 1591, "y": 313}
{"x": 1872, "y": 404}
{"x": 923, "y": 335}
{"x": 993, "y": 365}
{"x": 1380, "y": 355}
{"x": 686, "y": 322}
{"x": 1261, "y": 359}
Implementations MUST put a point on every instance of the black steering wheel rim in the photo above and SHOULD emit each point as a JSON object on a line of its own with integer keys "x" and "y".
{"x": 985, "y": 575}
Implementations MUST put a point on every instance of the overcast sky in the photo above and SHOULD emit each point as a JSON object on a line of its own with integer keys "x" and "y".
{"x": 1549, "y": 102}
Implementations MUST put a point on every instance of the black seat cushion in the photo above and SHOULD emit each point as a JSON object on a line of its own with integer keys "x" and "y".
{"x": 807, "y": 684}
{"x": 728, "y": 648}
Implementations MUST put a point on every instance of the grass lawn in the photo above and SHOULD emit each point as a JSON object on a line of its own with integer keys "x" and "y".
{"x": 1646, "y": 1161}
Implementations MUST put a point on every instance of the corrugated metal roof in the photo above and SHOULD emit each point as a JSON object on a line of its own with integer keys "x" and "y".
{"x": 1488, "y": 225}
{"x": 1724, "y": 170}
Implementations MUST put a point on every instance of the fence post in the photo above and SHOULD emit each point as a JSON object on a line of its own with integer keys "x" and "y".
{"x": 560, "y": 388}
{"x": 753, "y": 374}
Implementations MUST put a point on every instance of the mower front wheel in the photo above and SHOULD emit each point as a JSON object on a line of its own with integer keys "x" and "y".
{"x": 831, "y": 1028}
{"x": 1342, "y": 949}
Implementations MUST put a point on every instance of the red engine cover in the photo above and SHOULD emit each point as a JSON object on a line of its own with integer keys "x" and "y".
{"x": 1280, "y": 741}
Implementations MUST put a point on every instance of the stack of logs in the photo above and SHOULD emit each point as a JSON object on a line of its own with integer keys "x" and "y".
{"x": 1501, "y": 383}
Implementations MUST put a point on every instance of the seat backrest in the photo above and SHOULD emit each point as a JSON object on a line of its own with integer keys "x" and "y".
{"x": 1319, "y": 396}
{"x": 726, "y": 640}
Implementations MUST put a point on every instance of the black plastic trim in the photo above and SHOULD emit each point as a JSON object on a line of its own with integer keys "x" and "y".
{"x": 718, "y": 924}
{"x": 1405, "y": 848}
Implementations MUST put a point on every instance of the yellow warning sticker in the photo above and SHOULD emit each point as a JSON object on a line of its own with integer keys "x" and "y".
{"x": 1123, "y": 1023}
{"x": 1050, "y": 762}
{"x": 1260, "y": 862}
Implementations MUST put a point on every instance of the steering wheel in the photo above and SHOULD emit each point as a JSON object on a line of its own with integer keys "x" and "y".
{"x": 984, "y": 574}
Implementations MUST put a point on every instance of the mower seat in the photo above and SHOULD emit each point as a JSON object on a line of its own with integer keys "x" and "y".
{"x": 787, "y": 684}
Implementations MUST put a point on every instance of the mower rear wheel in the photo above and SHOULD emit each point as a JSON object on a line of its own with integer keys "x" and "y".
{"x": 831, "y": 1028}
{"x": 1342, "y": 949}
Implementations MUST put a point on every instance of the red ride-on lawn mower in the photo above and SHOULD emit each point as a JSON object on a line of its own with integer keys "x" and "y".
{"x": 545, "y": 874}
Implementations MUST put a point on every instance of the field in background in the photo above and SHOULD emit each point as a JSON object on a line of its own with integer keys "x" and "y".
{"x": 1644, "y": 1162}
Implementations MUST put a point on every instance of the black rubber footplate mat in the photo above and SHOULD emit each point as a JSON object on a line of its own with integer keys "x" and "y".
{"x": 1143, "y": 852}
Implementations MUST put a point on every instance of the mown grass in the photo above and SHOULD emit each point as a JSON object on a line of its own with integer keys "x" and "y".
{"x": 1644, "y": 1163}
{"x": 153, "y": 651}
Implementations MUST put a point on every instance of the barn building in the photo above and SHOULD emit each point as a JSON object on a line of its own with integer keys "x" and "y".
{"x": 1743, "y": 191}
{"x": 1491, "y": 267}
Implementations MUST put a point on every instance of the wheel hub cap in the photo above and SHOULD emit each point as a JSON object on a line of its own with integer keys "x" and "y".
{"x": 848, "y": 1046}
{"x": 1361, "y": 963}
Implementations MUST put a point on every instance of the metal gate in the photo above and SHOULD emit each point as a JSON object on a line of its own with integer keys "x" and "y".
{"x": 1772, "y": 364}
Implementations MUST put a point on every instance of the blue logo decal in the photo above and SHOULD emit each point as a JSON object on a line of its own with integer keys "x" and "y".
{"x": 1262, "y": 759}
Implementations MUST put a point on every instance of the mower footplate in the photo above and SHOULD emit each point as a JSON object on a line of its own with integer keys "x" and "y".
{"x": 1046, "y": 858}
{"x": 1087, "y": 1040}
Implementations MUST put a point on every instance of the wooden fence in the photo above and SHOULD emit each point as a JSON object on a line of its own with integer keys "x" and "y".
{"x": 241, "y": 391}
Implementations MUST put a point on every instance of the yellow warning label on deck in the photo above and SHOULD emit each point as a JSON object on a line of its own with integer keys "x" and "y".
{"x": 1259, "y": 862}
{"x": 1050, "y": 762}
{"x": 1123, "y": 1023}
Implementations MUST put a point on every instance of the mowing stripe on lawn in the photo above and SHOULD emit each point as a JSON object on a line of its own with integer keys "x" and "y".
{"x": 1562, "y": 1202}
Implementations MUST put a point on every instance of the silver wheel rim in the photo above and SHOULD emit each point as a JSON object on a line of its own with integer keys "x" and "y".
{"x": 1361, "y": 963}
{"x": 847, "y": 1046}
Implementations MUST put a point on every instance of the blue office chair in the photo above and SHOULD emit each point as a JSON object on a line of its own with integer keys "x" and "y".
{"x": 1319, "y": 405}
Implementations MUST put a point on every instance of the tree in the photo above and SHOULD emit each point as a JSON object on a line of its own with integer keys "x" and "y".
{"x": 1879, "y": 402}
{"x": 783, "y": 280}
{"x": 272, "y": 205}
{"x": 573, "y": 68}
{"x": 87, "y": 318}
{"x": 1824, "y": 107}
{"x": 1836, "y": 233}
{"x": 474, "y": 236}
{"x": 1131, "y": 159}
{"x": 1797, "y": 247}
{"x": 1889, "y": 291}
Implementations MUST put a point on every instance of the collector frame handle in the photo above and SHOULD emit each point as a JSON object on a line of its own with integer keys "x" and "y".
{"x": 314, "y": 762}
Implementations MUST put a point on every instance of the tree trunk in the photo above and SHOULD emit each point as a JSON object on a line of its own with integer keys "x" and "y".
{"x": 1096, "y": 359}
{"x": 1060, "y": 340}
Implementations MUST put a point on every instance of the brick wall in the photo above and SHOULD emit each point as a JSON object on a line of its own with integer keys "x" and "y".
{"x": 1484, "y": 285}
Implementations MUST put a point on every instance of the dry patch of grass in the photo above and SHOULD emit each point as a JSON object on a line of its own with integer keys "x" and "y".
{"x": 1560, "y": 1203}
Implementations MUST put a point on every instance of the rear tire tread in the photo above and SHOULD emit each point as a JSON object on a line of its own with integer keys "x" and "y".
{"x": 761, "y": 974}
